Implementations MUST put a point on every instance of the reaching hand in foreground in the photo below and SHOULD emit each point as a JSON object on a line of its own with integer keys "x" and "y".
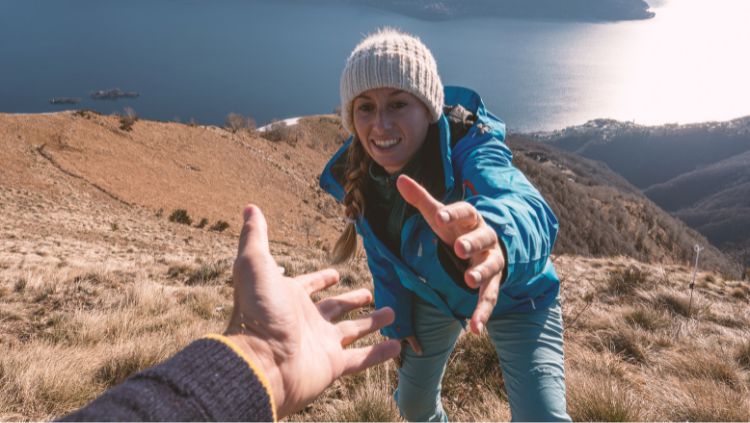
{"x": 460, "y": 225}
{"x": 293, "y": 340}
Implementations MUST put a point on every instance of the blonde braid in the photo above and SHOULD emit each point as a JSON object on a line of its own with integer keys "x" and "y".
{"x": 357, "y": 165}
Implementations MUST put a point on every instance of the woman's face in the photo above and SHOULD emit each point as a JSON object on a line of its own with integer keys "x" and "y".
{"x": 391, "y": 124}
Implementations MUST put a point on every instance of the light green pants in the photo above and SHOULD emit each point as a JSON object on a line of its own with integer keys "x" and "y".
{"x": 530, "y": 350}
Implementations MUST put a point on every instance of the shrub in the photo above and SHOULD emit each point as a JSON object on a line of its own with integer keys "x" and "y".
{"x": 368, "y": 404}
{"x": 219, "y": 226}
{"x": 181, "y": 216}
{"x": 236, "y": 122}
{"x": 278, "y": 131}
{"x": 595, "y": 398}
{"x": 625, "y": 342}
{"x": 128, "y": 119}
{"x": 624, "y": 282}
{"x": 207, "y": 273}
{"x": 647, "y": 318}
{"x": 85, "y": 113}
{"x": 743, "y": 354}
{"x": 20, "y": 285}
{"x": 739, "y": 293}
{"x": 202, "y": 224}
{"x": 177, "y": 271}
{"x": 678, "y": 304}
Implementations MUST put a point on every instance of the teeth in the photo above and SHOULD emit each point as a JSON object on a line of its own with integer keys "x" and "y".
{"x": 385, "y": 143}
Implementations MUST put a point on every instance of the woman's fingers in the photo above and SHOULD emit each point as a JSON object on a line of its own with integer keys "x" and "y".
{"x": 480, "y": 239}
{"x": 491, "y": 264}
{"x": 358, "y": 359}
{"x": 417, "y": 196}
{"x": 461, "y": 214}
{"x": 487, "y": 299}
{"x": 334, "y": 307}
{"x": 316, "y": 281}
{"x": 351, "y": 330}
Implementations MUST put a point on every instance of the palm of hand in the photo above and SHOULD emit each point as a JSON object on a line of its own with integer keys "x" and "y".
{"x": 293, "y": 339}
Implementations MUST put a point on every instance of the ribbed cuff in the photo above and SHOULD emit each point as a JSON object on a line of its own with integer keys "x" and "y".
{"x": 219, "y": 380}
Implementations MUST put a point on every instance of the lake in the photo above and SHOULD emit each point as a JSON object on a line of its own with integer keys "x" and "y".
{"x": 274, "y": 59}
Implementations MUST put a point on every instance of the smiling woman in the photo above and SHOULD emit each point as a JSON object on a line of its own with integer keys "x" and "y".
{"x": 446, "y": 219}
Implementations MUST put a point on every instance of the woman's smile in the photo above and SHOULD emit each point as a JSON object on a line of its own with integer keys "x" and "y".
{"x": 386, "y": 144}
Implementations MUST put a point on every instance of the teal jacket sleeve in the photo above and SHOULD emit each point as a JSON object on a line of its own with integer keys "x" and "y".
{"x": 390, "y": 292}
{"x": 509, "y": 203}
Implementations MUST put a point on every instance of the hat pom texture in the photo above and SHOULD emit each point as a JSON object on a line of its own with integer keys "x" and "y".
{"x": 392, "y": 59}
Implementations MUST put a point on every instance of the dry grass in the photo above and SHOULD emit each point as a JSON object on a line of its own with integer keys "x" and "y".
{"x": 69, "y": 338}
{"x": 626, "y": 281}
{"x": 743, "y": 354}
{"x": 705, "y": 401}
{"x": 598, "y": 398}
{"x": 84, "y": 306}
{"x": 647, "y": 318}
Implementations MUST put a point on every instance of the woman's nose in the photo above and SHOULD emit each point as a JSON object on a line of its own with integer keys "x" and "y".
{"x": 382, "y": 120}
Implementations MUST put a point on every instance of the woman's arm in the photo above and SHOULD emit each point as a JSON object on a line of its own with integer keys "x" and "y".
{"x": 509, "y": 203}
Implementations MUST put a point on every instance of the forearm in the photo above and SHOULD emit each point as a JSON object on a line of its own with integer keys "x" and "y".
{"x": 206, "y": 381}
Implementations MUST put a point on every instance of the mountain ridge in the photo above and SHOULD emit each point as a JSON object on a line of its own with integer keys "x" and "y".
{"x": 698, "y": 172}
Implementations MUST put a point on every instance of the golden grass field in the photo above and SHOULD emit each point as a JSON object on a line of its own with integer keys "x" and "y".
{"x": 95, "y": 284}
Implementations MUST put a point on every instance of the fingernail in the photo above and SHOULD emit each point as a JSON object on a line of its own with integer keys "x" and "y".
{"x": 444, "y": 216}
{"x": 476, "y": 276}
{"x": 466, "y": 246}
{"x": 247, "y": 212}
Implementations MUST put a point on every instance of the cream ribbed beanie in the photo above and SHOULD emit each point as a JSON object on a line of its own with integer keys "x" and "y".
{"x": 390, "y": 58}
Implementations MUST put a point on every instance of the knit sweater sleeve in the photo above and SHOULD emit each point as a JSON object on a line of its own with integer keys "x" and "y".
{"x": 209, "y": 380}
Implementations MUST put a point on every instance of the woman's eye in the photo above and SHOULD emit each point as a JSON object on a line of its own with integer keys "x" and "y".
{"x": 364, "y": 107}
{"x": 399, "y": 105}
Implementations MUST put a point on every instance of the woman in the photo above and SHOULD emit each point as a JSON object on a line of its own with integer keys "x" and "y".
{"x": 451, "y": 229}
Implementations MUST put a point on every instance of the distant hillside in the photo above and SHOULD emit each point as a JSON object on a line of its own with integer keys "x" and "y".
{"x": 698, "y": 172}
{"x": 211, "y": 172}
{"x": 602, "y": 215}
{"x": 574, "y": 10}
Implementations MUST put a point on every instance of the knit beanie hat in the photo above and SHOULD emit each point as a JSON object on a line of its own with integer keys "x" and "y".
{"x": 393, "y": 59}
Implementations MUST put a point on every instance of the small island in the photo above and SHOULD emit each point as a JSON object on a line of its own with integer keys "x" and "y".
{"x": 64, "y": 100}
{"x": 113, "y": 94}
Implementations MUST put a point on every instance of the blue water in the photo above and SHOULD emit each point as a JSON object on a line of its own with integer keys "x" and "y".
{"x": 274, "y": 59}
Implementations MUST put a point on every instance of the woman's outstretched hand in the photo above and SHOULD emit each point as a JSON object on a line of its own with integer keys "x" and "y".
{"x": 460, "y": 225}
{"x": 295, "y": 342}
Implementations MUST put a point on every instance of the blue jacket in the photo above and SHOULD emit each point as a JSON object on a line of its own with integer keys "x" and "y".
{"x": 477, "y": 170}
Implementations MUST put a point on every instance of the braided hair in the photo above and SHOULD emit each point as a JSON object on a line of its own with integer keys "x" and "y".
{"x": 357, "y": 165}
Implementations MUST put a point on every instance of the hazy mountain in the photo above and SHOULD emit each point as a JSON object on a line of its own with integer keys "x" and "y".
{"x": 601, "y": 214}
{"x": 699, "y": 172}
{"x": 577, "y": 10}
